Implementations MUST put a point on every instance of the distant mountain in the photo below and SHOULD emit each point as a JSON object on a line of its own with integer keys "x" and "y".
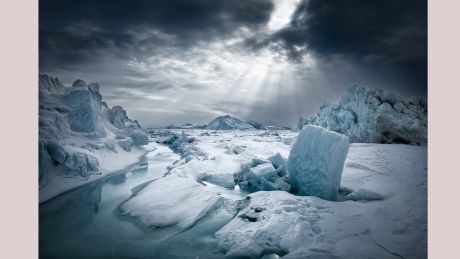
{"x": 228, "y": 122}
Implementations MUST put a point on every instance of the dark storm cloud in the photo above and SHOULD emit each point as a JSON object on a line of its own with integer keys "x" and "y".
{"x": 177, "y": 61}
{"x": 74, "y": 31}
{"x": 387, "y": 36}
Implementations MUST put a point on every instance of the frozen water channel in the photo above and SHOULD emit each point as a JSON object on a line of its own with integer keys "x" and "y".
{"x": 84, "y": 223}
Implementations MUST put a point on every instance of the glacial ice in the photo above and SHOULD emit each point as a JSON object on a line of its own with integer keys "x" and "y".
{"x": 316, "y": 162}
{"x": 73, "y": 123}
{"x": 374, "y": 116}
{"x": 85, "y": 107}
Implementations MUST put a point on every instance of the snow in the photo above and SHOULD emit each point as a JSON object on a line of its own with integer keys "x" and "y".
{"x": 227, "y": 122}
{"x": 76, "y": 135}
{"x": 363, "y": 195}
{"x": 316, "y": 162}
{"x": 375, "y": 116}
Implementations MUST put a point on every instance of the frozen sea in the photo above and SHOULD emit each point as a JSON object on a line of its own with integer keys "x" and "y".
{"x": 87, "y": 222}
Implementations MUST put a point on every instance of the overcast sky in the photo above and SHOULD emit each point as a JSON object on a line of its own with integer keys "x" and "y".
{"x": 179, "y": 61}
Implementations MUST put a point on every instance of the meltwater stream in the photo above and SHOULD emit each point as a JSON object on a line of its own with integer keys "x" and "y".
{"x": 83, "y": 223}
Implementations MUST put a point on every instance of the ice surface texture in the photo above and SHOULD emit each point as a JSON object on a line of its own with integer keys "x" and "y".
{"x": 186, "y": 202}
{"x": 316, "y": 162}
{"x": 374, "y": 116}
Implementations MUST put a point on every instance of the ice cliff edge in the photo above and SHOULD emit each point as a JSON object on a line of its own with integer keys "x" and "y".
{"x": 76, "y": 129}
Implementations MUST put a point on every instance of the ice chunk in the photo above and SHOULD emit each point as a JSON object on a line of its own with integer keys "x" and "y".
{"x": 85, "y": 108}
{"x": 260, "y": 174}
{"x": 279, "y": 163}
{"x": 56, "y": 152}
{"x": 316, "y": 162}
{"x": 262, "y": 170}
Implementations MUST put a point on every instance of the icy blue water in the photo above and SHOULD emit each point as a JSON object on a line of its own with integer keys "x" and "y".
{"x": 83, "y": 223}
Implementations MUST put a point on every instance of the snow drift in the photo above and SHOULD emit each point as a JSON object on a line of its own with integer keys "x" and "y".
{"x": 374, "y": 116}
{"x": 76, "y": 128}
{"x": 316, "y": 161}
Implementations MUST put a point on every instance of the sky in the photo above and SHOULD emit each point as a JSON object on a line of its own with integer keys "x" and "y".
{"x": 178, "y": 61}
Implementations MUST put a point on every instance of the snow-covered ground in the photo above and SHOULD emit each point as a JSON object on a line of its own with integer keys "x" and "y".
{"x": 380, "y": 212}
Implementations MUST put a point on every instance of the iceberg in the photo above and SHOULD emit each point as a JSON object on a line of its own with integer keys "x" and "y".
{"x": 316, "y": 162}
{"x": 76, "y": 130}
{"x": 374, "y": 116}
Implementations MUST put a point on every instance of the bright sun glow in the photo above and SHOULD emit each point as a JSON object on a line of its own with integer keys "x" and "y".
{"x": 281, "y": 16}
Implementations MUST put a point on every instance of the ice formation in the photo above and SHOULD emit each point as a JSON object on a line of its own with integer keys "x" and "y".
{"x": 263, "y": 174}
{"x": 291, "y": 226}
{"x": 374, "y": 116}
{"x": 75, "y": 124}
{"x": 316, "y": 162}
{"x": 228, "y": 123}
{"x": 179, "y": 143}
{"x": 185, "y": 202}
